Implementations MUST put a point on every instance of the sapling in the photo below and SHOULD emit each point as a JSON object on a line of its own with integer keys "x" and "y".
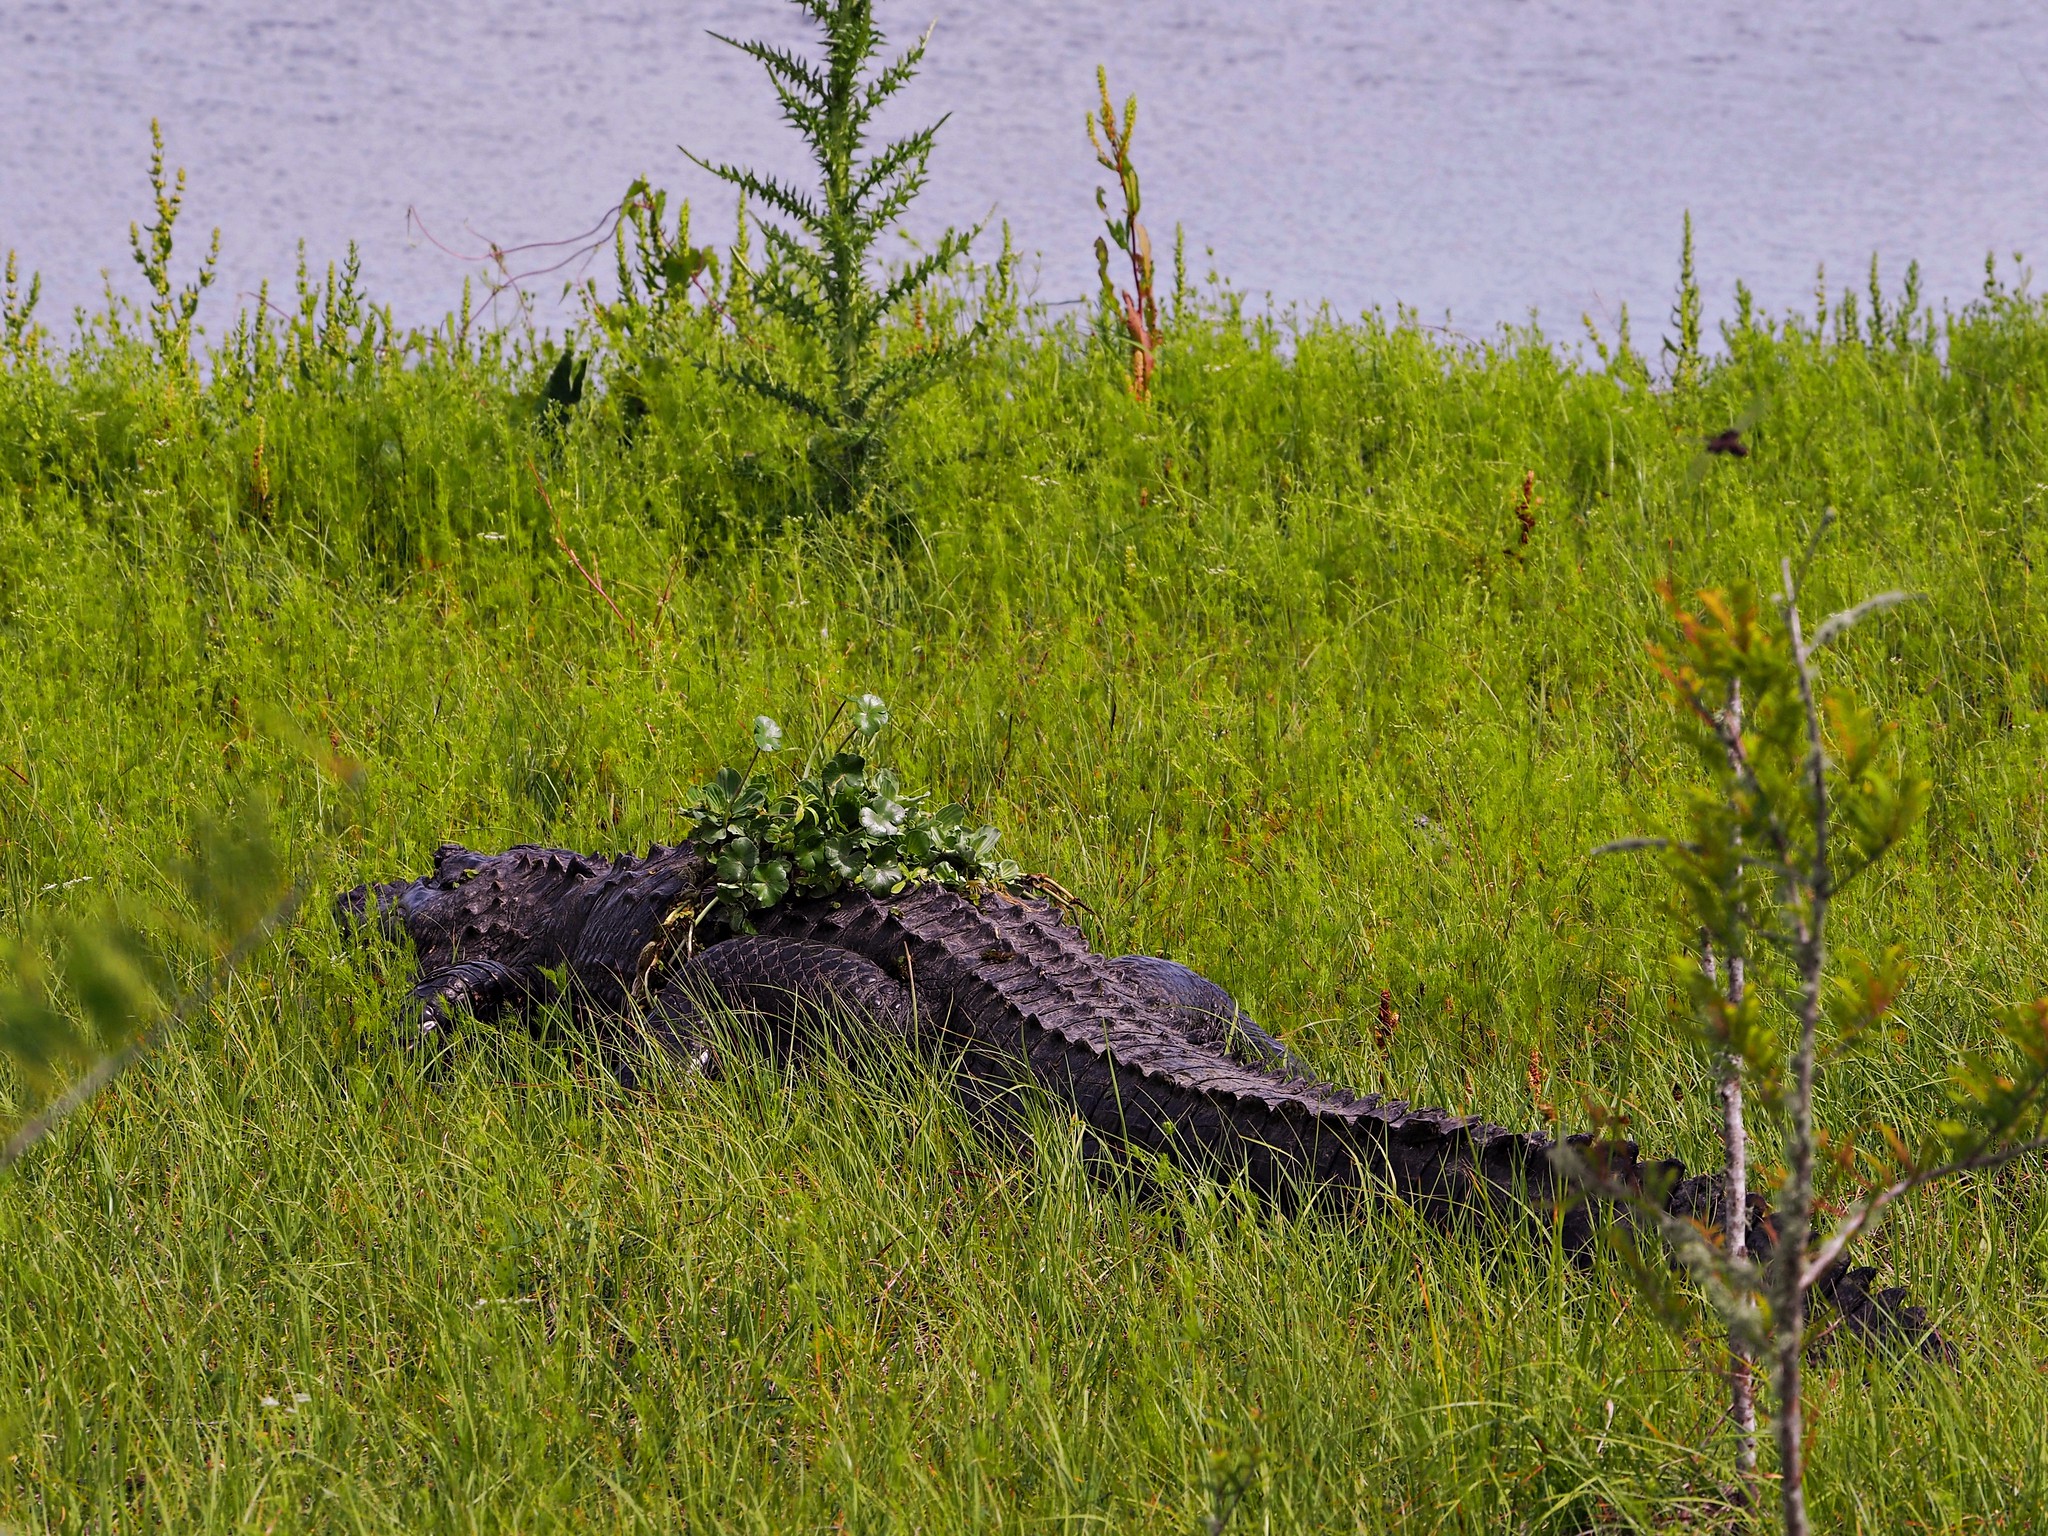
{"x": 849, "y": 371}
{"x": 1805, "y": 792}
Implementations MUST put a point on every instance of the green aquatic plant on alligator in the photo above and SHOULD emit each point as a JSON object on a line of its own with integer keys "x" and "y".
{"x": 844, "y": 819}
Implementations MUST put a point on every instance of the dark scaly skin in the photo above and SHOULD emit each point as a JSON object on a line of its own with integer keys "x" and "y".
{"x": 1150, "y": 1056}
{"x": 790, "y": 989}
{"x": 1208, "y": 1014}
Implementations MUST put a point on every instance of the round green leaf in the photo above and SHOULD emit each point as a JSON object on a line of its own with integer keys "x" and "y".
{"x": 881, "y": 880}
{"x": 870, "y": 714}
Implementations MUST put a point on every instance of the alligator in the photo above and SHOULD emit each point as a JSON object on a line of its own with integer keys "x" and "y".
{"x": 1153, "y": 1058}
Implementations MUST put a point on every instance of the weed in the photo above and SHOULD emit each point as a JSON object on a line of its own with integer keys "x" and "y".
{"x": 21, "y": 338}
{"x": 850, "y": 375}
{"x": 171, "y": 306}
{"x": 657, "y": 271}
{"x": 1684, "y": 349}
{"x": 1133, "y": 311}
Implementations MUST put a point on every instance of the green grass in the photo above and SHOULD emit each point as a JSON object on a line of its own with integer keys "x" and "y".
{"x": 1262, "y": 671}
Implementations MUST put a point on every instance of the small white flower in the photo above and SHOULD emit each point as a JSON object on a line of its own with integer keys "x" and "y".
{"x": 302, "y": 1397}
{"x": 270, "y": 1402}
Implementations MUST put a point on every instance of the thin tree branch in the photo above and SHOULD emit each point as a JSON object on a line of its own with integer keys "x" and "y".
{"x": 1735, "y": 1154}
{"x": 1837, "y": 624}
{"x": 1730, "y": 738}
{"x": 107, "y": 1068}
{"x": 1869, "y": 1210}
{"x": 1638, "y": 845}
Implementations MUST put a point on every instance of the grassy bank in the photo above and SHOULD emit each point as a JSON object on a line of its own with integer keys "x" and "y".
{"x": 1279, "y": 672}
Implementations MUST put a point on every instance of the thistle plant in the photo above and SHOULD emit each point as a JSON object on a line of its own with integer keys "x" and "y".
{"x": 1133, "y": 310}
{"x": 844, "y": 819}
{"x": 831, "y": 353}
{"x": 1805, "y": 792}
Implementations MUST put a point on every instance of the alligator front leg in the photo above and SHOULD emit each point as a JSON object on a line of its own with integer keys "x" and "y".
{"x": 788, "y": 994}
{"x": 480, "y": 988}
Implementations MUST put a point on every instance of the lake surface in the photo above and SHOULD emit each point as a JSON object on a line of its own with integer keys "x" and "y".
{"x": 1476, "y": 161}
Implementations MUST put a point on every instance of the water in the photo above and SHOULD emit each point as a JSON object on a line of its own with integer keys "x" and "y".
{"x": 1478, "y": 162}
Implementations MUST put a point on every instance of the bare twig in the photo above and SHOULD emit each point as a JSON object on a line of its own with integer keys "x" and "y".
{"x": 1827, "y": 521}
{"x": 1867, "y": 1211}
{"x": 1837, "y": 624}
{"x": 582, "y": 247}
{"x": 667, "y": 588}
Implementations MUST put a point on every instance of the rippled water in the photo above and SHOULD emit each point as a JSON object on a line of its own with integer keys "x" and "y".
{"x": 1476, "y": 160}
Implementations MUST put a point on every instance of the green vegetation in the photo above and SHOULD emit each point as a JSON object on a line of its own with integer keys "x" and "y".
{"x": 1322, "y": 669}
{"x": 828, "y": 350}
{"x": 844, "y": 820}
{"x": 1804, "y": 798}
